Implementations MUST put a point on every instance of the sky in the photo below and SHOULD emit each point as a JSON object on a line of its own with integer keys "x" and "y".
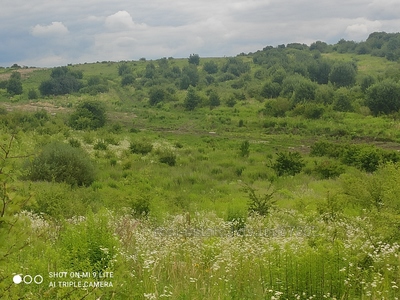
{"x": 43, "y": 33}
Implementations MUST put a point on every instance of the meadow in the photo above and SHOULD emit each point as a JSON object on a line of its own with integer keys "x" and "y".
{"x": 243, "y": 195}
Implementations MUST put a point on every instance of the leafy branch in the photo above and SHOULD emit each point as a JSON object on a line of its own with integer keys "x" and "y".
{"x": 260, "y": 204}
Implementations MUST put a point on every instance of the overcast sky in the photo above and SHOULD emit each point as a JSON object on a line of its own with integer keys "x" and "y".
{"x": 47, "y": 33}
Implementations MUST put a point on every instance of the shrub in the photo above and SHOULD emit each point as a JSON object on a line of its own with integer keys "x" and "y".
{"x": 127, "y": 79}
{"x": 61, "y": 162}
{"x": 124, "y": 69}
{"x": 100, "y": 145}
{"x": 277, "y": 107}
{"x": 260, "y": 204}
{"x": 74, "y": 142}
{"x": 32, "y": 94}
{"x": 383, "y": 97}
{"x": 245, "y": 149}
{"x": 168, "y": 157}
{"x": 88, "y": 115}
{"x": 141, "y": 206}
{"x": 210, "y": 67}
{"x": 313, "y": 111}
{"x": 138, "y": 147}
{"x": 288, "y": 163}
{"x": 271, "y": 90}
{"x": 328, "y": 169}
{"x": 88, "y": 245}
{"x": 231, "y": 102}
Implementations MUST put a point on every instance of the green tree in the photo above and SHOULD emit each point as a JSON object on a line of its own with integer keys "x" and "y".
{"x": 156, "y": 95}
{"x": 210, "y": 67}
{"x": 319, "y": 71}
{"x": 14, "y": 86}
{"x": 191, "y": 73}
{"x": 150, "y": 71}
{"x": 304, "y": 90}
{"x": 343, "y": 74}
{"x": 127, "y": 79}
{"x": 260, "y": 204}
{"x": 235, "y": 66}
{"x": 124, "y": 69}
{"x": 63, "y": 81}
{"x": 192, "y": 100}
{"x": 194, "y": 59}
{"x": 383, "y": 97}
{"x": 366, "y": 82}
{"x": 88, "y": 115}
{"x": 214, "y": 99}
{"x": 342, "y": 100}
{"x": 245, "y": 149}
{"x": 324, "y": 94}
{"x": 271, "y": 90}
{"x": 288, "y": 163}
{"x": 59, "y": 72}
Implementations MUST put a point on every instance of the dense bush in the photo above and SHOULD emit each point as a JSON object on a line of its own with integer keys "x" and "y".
{"x": 14, "y": 84}
{"x": 210, "y": 67}
{"x": 157, "y": 95}
{"x": 167, "y": 157}
{"x": 88, "y": 115}
{"x": 127, "y": 79}
{"x": 328, "y": 169}
{"x": 383, "y": 97}
{"x": 309, "y": 110}
{"x": 271, "y": 90}
{"x": 288, "y": 163}
{"x": 363, "y": 157}
{"x": 61, "y": 162}
{"x": 343, "y": 74}
{"x": 139, "y": 147}
{"x": 63, "y": 81}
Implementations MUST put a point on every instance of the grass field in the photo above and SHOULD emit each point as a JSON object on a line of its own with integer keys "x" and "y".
{"x": 224, "y": 202}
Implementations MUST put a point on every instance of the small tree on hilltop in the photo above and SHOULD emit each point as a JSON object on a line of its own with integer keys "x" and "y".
{"x": 194, "y": 59}
{"x": 14, "y": 84}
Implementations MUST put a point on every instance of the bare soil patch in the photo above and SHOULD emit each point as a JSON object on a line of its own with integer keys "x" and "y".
{"x": 25, "y": 73}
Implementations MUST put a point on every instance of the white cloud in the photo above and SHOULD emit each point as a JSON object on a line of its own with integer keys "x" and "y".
{"x": 54, "y": 29}
{"x": 361, "y": 29}
{"x": 121, "y": 21}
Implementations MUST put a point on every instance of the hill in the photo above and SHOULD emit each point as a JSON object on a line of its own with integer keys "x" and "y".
{"x": 269, "y": 174}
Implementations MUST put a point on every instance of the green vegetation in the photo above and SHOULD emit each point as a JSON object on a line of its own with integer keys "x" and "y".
{"x": 270, "y": 175}
{"x": 61, "y": 162}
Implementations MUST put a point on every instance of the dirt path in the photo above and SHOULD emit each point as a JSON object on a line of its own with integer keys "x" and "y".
{"x": 35, "y": 106}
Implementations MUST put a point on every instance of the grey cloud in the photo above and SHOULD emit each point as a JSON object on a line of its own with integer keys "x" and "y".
{"x": 94, "y": 30}
{"x": 55, "y": 29}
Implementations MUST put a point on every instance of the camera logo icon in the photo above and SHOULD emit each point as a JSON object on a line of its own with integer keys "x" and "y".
{"x": 27, "y": 279}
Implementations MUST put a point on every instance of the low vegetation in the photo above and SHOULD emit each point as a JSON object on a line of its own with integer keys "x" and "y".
{"x": 269, "y": 175}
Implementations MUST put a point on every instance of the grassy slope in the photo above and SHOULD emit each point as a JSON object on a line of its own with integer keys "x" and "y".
{"x": 208, "y": 176}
